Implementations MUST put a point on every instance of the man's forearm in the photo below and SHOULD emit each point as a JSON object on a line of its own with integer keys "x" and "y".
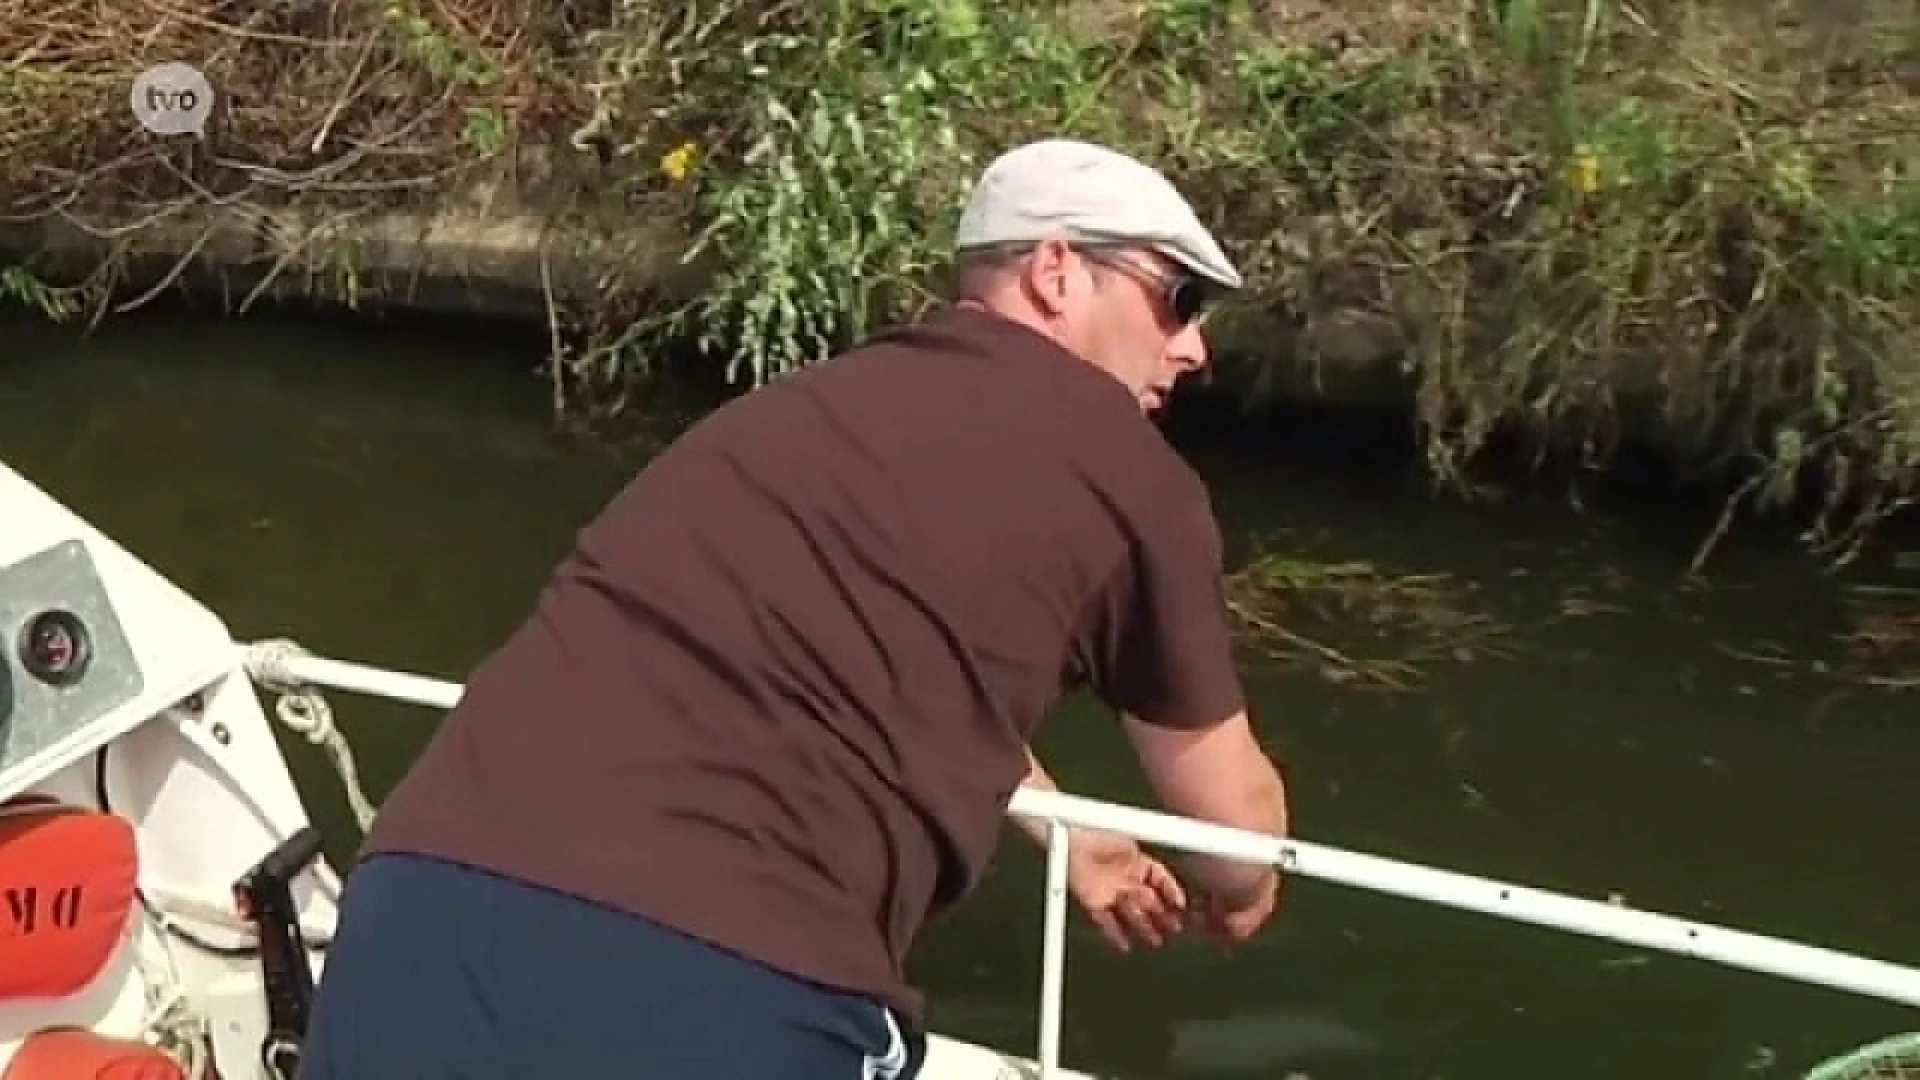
{"x": 1219, "y": 774}
{"x": 1263, "y": 808}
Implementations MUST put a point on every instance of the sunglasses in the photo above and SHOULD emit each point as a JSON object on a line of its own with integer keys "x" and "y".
{"x": 1185, "y": 296}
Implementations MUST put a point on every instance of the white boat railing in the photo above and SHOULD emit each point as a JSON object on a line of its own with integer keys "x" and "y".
{"x": 275, "y": 663}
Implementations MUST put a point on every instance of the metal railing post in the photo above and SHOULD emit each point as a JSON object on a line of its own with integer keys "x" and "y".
{"x": 1053, "y": 949}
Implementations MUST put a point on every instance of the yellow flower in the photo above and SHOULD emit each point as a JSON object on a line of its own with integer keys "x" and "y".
{"x": 678, "y": 162}
{"x": 1584, "y": 173}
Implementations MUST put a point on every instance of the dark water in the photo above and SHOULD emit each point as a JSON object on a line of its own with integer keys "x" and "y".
{"x": 395, "y": 495}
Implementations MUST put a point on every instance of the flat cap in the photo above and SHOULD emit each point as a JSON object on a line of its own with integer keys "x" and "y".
{"x": 1090, "y": 194}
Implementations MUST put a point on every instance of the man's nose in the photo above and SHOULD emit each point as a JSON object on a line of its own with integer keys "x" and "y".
{"x": 1188, "y": 349}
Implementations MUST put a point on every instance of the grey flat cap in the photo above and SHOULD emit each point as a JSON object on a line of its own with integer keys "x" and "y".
{"x": 1091, "y": 194}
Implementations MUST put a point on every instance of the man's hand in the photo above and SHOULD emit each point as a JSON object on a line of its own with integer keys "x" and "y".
{"x": 1233, "y": 923}
{"x": 1219, "y": 773}
{"x": 1129, "y": 895}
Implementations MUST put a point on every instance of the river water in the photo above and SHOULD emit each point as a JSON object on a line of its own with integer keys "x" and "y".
{"x": 395, "y": 494}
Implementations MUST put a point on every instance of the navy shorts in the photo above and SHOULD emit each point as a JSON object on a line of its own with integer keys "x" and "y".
{"x": 441, "y": 972}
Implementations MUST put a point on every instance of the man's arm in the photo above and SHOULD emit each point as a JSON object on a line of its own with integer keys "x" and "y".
{"x": 1158, "y": 650}
{"x": 1220, "y": 774}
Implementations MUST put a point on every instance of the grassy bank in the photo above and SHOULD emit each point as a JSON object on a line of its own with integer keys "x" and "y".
{"x": 1545, "y": 217}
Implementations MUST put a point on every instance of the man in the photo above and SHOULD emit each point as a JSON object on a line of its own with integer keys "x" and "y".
{"x": 766, "y": 717}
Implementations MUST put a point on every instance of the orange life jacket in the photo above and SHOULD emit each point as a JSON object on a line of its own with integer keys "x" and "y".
{"x": 68, "y": 889}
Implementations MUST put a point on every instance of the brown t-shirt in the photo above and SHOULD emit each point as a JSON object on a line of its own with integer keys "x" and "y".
{"x": 778, "y": 694}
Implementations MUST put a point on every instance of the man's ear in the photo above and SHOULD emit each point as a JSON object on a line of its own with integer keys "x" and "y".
{"x": 1047, "y": 275}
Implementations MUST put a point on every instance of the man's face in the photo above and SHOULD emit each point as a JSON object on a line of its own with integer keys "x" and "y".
{"x": 1130, "y": 312}
{"x": 1145, "y": 324}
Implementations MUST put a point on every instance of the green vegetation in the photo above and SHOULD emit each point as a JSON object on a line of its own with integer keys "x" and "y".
{"x": 1560, "y": 218}
{"x": 1390, "y": 629}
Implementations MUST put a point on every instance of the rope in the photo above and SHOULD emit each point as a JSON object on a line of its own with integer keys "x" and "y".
{"x": 174, "y": 1024}
{"x": 302, "y": 709}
